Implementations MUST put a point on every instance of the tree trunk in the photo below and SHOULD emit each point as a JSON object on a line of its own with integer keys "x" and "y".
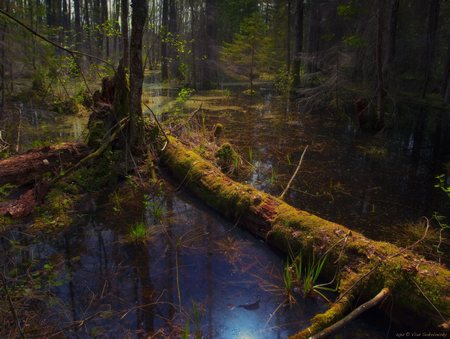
{"x": 104, "y": 19}
{"x": 209, "y": 65}
{"x": 87, "y": 21}
{"x": 164, "y": 30}
{"x": 381, "y": 93}
{"x": 433, "y": 18}
{"x": 193, "y": 45}
{"x": 2, "y": 62}
{"x": 298, "y": 44}
{"x": 78, "y": 28}
{"x": 138, "y": 17}
{"x": 369, "y": 265}
{"x": 392, "y": 35}
{"x": 288, "y": 40}
{"x": 124, "y": 23}
{"x": 173, "y": 31}
{"x": 314, "y": 36}
{"x": 446, "y": 78}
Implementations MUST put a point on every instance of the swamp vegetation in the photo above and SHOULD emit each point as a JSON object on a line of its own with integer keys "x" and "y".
{"x": 224, "y": 169}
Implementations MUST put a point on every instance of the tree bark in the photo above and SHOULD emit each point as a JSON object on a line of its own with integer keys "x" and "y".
{"x": 164, "y": 30}
{"x": 433, "y": 25}
{"x": 381, "y": 93}
{"x": 87, "y": 21}
{"x": 78, "y": 28}
{"x": 138, "y": 18}
{"x": 288, "y": 40}
{"x": 173, "y": 32}
{"x": 314, "y": 36}
{"x": 124, "y": 23}
{"x": 446, "y": 77}
{"x": 104, "y": 19}
{"x": 298, "y": 44}
{"x": 26, "y": 168}
{"x": 193, "y": 45}
{"x": 392, "y": 35}
{"x": 209, "y": 65}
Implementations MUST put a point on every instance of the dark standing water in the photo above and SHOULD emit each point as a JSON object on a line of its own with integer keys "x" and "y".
{"x": 197, "y": 268}
{"x": 376, "y": 184}
{"x": 200, "y": 269}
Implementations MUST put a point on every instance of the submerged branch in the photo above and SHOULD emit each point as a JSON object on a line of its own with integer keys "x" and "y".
{"x": 294, "y": 175}
{"x": 352, "y": 315}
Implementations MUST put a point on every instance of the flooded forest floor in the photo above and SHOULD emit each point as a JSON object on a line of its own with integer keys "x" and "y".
{"x": 137, "y": 260}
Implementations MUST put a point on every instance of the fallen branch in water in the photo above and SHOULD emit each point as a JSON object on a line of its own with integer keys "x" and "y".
{"x": 294, "y": 175}
{"x": 352, "y": 315}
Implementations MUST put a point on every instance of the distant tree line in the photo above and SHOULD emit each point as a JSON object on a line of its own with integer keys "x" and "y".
{"x": 381, "y": 46}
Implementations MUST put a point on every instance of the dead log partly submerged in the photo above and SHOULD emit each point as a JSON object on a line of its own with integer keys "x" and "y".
{"x": 419, "y": 289}
{"x": 29, "y": 169}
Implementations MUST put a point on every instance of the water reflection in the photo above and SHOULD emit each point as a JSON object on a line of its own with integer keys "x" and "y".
{"x": 374, "y": 184}
{"x": 197, "y": 262}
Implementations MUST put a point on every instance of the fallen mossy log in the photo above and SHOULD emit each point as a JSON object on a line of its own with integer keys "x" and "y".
{"x": 419, "y": 289}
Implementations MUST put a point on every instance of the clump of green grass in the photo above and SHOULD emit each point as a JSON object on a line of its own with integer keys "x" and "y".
{"x": 304, "y": 277}
{"x": 140, "y": 233}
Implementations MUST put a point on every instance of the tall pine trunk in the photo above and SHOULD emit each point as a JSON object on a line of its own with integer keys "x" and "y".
{"x": 288, "y": 34}
{"x": 138, "y": 17}
{"x": 433, "y": 18}
{"x": 445, "y": 86}
{"x": 173, "y": 31}
{"x": 298, "y": 44}
{"x": 379, "y": 61}
{"x": 164, "y": 29}
{"x": 125, "y": 40}
{"x": 392, "y": 35}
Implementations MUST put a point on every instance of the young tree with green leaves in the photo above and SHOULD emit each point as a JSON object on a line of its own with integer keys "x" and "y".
{"x": 250, "y": 49}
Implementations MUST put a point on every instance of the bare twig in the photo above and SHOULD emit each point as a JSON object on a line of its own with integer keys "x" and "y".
{"x": 193, "y": 114}
{"x": 294, "y": 175}
{"x": 157, "y": 122}
{"x": 436, "y": 309}
{"x": 352, "y": 315}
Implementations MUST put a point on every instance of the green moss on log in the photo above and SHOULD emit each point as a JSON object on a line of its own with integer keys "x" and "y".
{"x": 286, "y": 227}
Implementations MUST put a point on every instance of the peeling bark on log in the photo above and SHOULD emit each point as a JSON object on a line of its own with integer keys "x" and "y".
{"x": 286, "y": 227}
{"x": 27, "y": 168}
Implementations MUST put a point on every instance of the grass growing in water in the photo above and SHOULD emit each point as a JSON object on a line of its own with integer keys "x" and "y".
{"x": 140, "y": 233}
{"x": 303, "y": 276}
{"x": 272, "y": 177}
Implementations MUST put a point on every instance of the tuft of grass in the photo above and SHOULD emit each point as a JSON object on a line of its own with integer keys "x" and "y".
{"x": 140, "y": 233}
{"x": 297, "y": 274}
{"x": 273, "y": 177}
